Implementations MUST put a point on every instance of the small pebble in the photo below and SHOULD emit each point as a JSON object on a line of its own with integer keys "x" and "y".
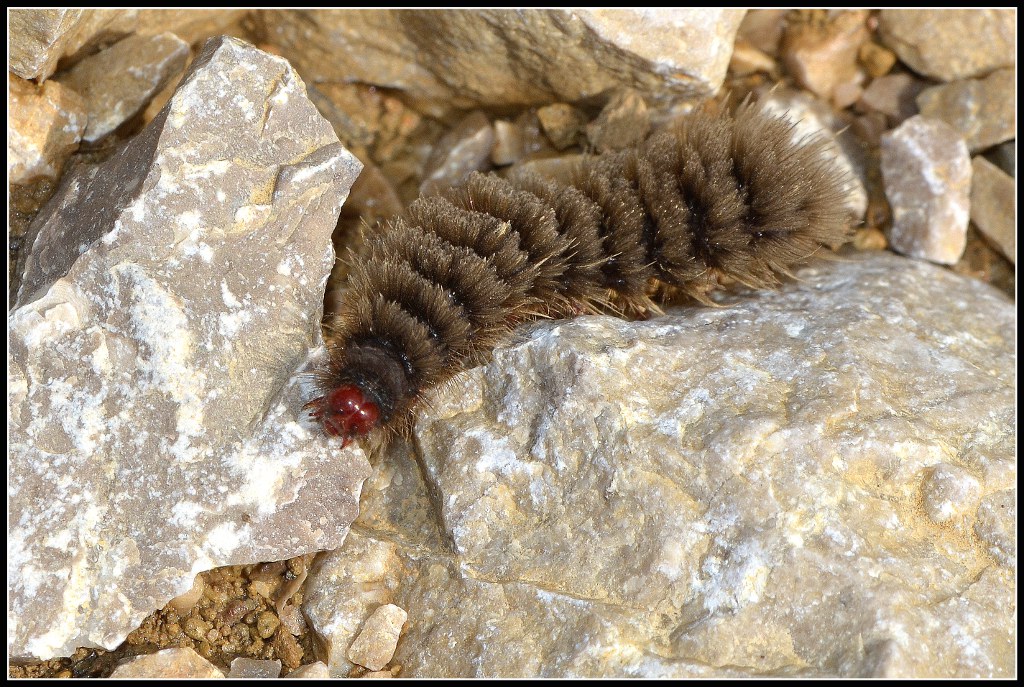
{"x": 183, "y": 603}
{"x": 623, "y": 122}
{"x": 311, "y": 671}
{"x": 254, "y": 668}
{"x": 926, "y": 171}
{"x": 562, "y": 124}
{"x": 375, "y": 644}
{"x": 267, "y": 624}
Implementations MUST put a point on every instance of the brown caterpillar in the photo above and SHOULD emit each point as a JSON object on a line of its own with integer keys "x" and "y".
{"x": 712, "y": 197}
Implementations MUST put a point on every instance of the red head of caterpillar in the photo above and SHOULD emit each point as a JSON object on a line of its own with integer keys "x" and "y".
{"x": 713, "y": 198}
{"x": 345, "y": 412}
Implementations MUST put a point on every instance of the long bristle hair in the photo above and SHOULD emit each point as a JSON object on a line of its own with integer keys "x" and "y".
{"x": 713, "y": 198}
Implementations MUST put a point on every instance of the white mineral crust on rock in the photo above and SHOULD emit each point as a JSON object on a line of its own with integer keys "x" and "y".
{"x": 170, "y": 296}
{"x": 818, "y": 481}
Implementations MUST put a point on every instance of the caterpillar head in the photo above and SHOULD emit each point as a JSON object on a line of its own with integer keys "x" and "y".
{"x": 346, "y": 412}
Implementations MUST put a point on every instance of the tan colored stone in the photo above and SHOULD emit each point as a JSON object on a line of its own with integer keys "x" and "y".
{"x": 40, "y": 38}
{"x": 926, "y": 170}
{"x": 993, "y": 206}
{"x": 876, "y": 59}
{"x": 948, "y": 44}
{"x": 311, "y": 671}
{"x": 168, "y": 664}
{"x": 466, "y": 148}
{"x": 822, "y": 53}
{"x": 562, "y": 124}
{"x": 375, "y": 644}
{"x": 44, "y": 127}
{"x": 763, "y": 29}
{"x": 746, "y": 59}
{"x": 623, "y": 123}
{"x": 752, "y": 490}
{"x": 460, "y": 59}
{"x": 984, "y": 111}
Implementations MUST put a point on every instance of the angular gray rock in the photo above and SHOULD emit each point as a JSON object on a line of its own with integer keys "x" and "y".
{"x": 170, "y": 296}
{"x": 926, "y": 170}
{"x": 807, "y": 482}
{"x": 118, "y": 82}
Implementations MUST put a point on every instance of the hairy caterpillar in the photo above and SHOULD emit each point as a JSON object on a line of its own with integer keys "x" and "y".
{"x": 712, "y": 198}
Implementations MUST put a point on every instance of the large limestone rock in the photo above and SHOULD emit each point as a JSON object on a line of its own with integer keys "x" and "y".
{"x": 464, "y": 58}
{"x": 815, "y": 481}
{"x": 169, "y": 297}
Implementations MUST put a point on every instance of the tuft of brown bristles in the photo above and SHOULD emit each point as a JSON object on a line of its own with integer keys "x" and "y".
{"x": 714, "y": 198}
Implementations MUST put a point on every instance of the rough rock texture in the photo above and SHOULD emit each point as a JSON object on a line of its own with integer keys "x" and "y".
{"x": 311, "y": 671}
{"x": 984, "y": 40}
{"x": 464, "y": 149}
{"x": 822, "y": 56}
{"x": 984, "y": 111}
{"x": 253, "y": 668}
{"x": 39, "y": 38}
{"x": 448, "y": 59}
{"x": 44, "y": 126}
{"x": 169, "y": 297}
{"x": 813, "y": 118}
{"x": 894, "y": 96}
{"x": 624, "y": 122}
{"x": 168, "y": 664}
{"x": 993, "y": 195}
{"x": 375, "y": 644}
{"x": 818, "y": 481}
{"x": 926, "y": 169}
{"x": 118, "y": 82}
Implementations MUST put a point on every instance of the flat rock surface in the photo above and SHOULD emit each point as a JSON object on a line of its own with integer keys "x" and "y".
{"x": 817, "y": 481}
{"x": 170, "y": 296}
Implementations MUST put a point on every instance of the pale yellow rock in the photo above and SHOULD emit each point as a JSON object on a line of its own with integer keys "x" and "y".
{"x": 168, "y": 664}
{"x": 375, "y": 644}
{"x": 44, "y": 126}
{"x": 311, "y": 671}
